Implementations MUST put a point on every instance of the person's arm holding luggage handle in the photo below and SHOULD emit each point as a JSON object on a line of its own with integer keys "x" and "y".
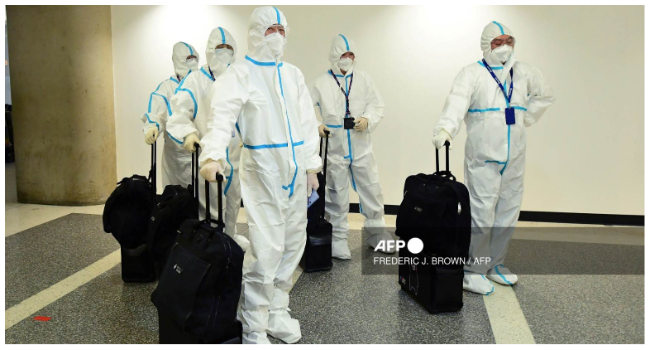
{"x": 180, "y": 124}
{"x": 232, "y": 88}
{"x": 309, "y": 125}
{"x": 315, "y": 99}
{"x": 455, "y": 109}
{"x": 155, "y": 117}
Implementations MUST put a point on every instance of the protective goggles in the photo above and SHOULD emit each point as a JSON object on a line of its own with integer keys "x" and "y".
{"x": 498, "y": 42}
{"x": 276, "y": 28}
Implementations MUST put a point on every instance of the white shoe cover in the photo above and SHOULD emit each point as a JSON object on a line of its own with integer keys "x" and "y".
{"x": 283, "y": 327}
{"x": 501, "y": 275}
{"x": 340, "y": 249}
{"x": 243, "y": 242}
{"x": 477, "y": 283}
{"x": 255, "y": 338}
{"x": 373, "y": 240}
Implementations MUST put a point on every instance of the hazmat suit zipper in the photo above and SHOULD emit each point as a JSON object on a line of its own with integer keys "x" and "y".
{"x": 287, "y": 127}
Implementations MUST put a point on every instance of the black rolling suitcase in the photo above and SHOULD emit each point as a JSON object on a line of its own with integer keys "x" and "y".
{"x": 436, "y": 210}
{"x": 176, "y": 205}
{"x": 126, "y": 215}
{"x": 200, "y": 284}
{"x": 318, "y": 249}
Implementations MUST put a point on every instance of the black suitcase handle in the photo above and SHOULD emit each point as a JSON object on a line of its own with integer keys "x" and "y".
{"x": 219, "y": 200}
{"x": 153, "y": 171}
{"x": 219, "y": 220}
{"x": 445, "y": 173}
{"x": 327, "y": 143}
{"x": 195, "y": 172}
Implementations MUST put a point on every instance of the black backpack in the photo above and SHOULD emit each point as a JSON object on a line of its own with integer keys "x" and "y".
{"x": 176, "y": 205}
{"x": 200, "y": 284}
{"x": 318, "y": 248}
{"x": 126, "y": 215}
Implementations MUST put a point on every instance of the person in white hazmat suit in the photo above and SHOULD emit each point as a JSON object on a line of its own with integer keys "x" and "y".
{"x": 190, "y": 121}
{"x": 175, "y": 161}
{"x": 268, "y": 102}
{"x": 497, "y": 97}
{"x": 344, "y": 92}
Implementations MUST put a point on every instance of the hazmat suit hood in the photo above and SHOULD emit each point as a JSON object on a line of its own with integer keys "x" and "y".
{"x": 490, "y": 32}
{"x": 179, "y": 57}
{"x": 340, "y": 45}
{"x": 260, "y": 20}
{"x": 217, "y": 37}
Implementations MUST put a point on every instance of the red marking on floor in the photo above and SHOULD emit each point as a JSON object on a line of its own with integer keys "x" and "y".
{"x": 42, "y": 318}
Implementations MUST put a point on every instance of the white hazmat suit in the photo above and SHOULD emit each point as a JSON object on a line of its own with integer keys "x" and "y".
{"x": 350, "y": 157}
{"x": 494, "y": 151}
{"x": 269, "y": 104}
{"x": 176, "y": 169}
{"x": 191, "y": 115}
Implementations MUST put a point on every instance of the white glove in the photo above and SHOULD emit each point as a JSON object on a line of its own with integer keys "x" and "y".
{"x": 151, "y": 135}
{"x": 210, "y": 169}
{"x": 312, "y": 183}
{"x": 361, "y": 124}
{"x": 321, "y": 130}
{"x": 440, "y": 139}
{"x": 189, "y": 142}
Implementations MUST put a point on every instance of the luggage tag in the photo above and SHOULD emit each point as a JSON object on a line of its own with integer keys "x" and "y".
{"x": 313, "y": 198}
{"x": 510, "y": 116}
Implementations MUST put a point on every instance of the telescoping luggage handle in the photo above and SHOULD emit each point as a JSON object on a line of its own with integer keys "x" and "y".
{"x": 446, "y": 172}
{"x": 219, "y": 200}
{"x": 195, "y": 170}
{"x": 324, "y": 155}
{"x": 219, "y": 220}
{"x": 152, "y": 172}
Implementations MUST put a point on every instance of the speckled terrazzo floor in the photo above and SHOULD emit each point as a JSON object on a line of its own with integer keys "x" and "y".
{"x": 346, "y": 306}
{"x": 44, "y": 255}
{"x": 572, "y": 309}
{"x": 339, "y": 306}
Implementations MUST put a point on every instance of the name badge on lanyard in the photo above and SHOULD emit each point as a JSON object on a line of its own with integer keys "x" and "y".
{"x": 510, "y": 112}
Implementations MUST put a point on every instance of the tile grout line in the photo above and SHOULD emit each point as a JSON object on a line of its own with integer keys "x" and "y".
{"x": 507, "y": 319}
{"x": 38, "y": 301}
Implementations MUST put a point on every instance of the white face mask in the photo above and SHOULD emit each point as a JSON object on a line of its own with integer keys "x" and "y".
{"x": 346, "y": 63}
{"x": 275, "y": 43}
{"x": 502, "y": 53}
{"x": 220, "y": 60}
{"x": 191, "y": 64}
{"x": 224, "y": 55}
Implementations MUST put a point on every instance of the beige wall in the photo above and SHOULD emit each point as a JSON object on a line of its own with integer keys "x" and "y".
{"x": 62, "y": 94}
{"x": 585, "y": 155}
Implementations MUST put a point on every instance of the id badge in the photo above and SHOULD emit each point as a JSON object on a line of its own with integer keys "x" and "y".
{"x": 510, "y": 116}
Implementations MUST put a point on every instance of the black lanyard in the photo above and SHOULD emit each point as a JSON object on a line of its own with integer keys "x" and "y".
{"x": 347, "y": 95}
{"x": 512, "y": 82}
